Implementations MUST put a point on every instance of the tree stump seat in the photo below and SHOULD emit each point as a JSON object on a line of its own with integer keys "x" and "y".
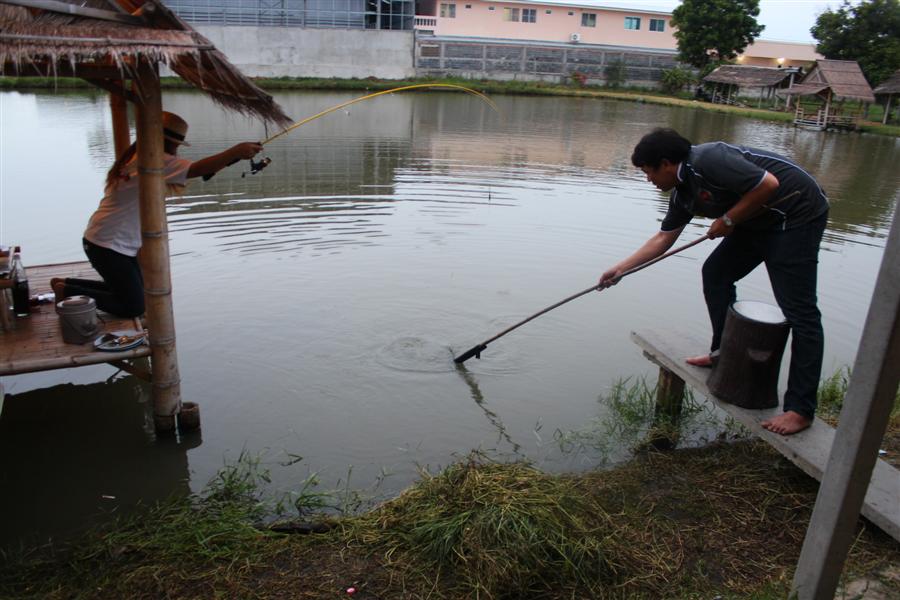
{"x": 753, "y": 341}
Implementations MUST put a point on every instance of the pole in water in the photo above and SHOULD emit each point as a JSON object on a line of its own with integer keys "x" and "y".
{"x": 477, "y": 350}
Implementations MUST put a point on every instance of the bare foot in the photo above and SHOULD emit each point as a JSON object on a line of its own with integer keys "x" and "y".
{"x": 704, "y": 360}
{"x": 58, "y": 285}
{"x": 787, "y": 423}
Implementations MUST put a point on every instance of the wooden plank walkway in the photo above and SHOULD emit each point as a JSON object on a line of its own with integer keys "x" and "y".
{"x": 808, "y": 449}
{"x": 35, "y": 343}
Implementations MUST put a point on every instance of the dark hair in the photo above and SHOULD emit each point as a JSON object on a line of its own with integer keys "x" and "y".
{"x": 117, "y": 171}
{"x": 661, "y": 143}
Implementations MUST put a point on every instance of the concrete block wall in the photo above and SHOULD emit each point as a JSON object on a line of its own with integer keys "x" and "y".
{"x": 306, "y": 52}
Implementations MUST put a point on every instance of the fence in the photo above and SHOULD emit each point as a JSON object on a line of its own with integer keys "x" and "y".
{"x": 497, "y": 59}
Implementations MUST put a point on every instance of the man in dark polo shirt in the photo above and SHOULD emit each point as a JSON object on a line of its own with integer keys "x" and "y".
{"x": 767, "y": 210}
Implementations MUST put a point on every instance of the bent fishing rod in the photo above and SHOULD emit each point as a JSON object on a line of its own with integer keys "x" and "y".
{"x": 477, "y": 350}
{"x": 257, "y": 166}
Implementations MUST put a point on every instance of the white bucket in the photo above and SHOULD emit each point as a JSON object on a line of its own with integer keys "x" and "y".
{"x": 78, "y": 319}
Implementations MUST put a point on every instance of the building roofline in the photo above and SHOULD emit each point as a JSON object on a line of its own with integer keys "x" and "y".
{"x": 585, "y": 6}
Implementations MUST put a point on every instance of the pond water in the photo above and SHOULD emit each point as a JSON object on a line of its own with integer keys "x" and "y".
{"x": 319, "y": 303}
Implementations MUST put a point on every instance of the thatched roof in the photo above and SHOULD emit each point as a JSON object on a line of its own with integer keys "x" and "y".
{"x": 890, "y": 86}
{"x": 103, "y": 40}
{"x": 747, "y": 76}
{"x": 843, "y": 77}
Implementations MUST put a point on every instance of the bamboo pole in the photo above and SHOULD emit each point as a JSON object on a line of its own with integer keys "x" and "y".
{"x": 121, "y": 136}
{"x": 155, "y": 252}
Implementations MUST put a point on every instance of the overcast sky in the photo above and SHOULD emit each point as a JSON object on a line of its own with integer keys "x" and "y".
{"x": 785, "y": 20}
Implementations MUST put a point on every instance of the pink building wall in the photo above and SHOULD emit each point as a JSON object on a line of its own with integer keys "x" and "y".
{"x": 557, "y": 26}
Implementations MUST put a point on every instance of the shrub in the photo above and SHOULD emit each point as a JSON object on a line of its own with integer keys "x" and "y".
{"x": 676, "y": 79}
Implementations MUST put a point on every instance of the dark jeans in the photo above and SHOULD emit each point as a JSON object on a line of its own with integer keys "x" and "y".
{"x": 121, "y": 292}
{"x": 791, "y": 259}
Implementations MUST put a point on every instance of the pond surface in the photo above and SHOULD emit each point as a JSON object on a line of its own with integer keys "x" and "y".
{"x": 319, "y": 303}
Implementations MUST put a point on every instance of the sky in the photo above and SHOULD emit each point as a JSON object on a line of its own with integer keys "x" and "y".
{"x": 785, "y": 20}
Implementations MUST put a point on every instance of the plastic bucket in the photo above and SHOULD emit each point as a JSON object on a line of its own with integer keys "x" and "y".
{"x": 78, "y": 319}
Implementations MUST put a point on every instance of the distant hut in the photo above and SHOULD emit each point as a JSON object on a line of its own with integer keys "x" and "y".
{"x": 829, "y": 84}
{"x": 119, "y": 46}
{"x": 887, "y": 90}
{"x": 729, "y": 81}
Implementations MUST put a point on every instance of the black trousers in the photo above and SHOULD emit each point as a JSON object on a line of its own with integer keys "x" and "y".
{"x": 121, "y": 292}
{"x": 791, "y": 258}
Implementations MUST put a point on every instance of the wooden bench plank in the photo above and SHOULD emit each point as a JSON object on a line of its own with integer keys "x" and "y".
{"x": 35, "y": 343}
{"x": 808, "y": 449}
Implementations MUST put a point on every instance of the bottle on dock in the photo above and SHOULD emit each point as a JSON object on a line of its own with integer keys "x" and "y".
{"x": 20, "y": 291}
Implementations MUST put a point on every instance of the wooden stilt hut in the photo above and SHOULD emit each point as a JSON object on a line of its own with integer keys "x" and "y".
{"x": 831, "y": 83}
{"x": 729, "y": 81}
{"x": 119, "y": 45}
{"x": 887, "y": 90}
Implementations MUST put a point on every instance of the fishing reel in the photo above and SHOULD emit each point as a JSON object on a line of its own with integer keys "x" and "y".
{"x": 257, "y": 166}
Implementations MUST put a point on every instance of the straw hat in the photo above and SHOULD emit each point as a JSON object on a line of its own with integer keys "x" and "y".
{"x": 174, "y": 128}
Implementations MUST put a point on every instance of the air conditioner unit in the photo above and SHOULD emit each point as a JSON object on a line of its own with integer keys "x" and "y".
{"x": 575, "y": 37}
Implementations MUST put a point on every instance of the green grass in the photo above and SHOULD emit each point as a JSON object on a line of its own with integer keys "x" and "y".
{"x": 726, "y": 520}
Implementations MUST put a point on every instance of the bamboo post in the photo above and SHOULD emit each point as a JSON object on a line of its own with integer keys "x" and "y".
{"x": 121, "y": 137}
{"x": 155, "y": 252}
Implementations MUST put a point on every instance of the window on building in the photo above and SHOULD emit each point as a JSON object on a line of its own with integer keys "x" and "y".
{"x": 529, "y": 15}
{"x": 588, "y": 20}
{"x": 632, "y": 23}
{"x": 549, "y": 12}
{"x": 571, "y": 13}
{"x": 468, "y": 6}
{"x": 490, "y": 8}
{"x": 510, "y": 14}
{"x": 657, "y": 24}
{"x": 448, "y": 11}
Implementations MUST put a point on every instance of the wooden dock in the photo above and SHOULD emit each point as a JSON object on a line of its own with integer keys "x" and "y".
{"x": 35, "y": 342}
{"x": 808, "y": 449}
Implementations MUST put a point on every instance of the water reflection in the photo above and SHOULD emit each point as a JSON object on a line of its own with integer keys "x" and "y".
{"x": 77, "y": 453}
{"x": 316, "y": 301}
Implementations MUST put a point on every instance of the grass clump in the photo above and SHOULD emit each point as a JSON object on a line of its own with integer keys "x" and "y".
{"x": 630, "y": 420}
{"x": 488, "y": 530}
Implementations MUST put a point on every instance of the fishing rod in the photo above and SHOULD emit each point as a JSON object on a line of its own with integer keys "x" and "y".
{"x": 477, "y": 350}
{"x": 257, "y": 166}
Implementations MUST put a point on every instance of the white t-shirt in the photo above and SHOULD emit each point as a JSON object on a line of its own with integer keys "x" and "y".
{"x": 116, "y": 224}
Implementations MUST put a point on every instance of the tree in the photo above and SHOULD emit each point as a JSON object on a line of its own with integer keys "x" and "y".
{"x": 710, "y": 31}
{"x": 868, "y": 33}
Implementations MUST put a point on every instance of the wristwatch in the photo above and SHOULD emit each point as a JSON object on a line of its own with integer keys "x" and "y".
{"x": 727, "y": 220}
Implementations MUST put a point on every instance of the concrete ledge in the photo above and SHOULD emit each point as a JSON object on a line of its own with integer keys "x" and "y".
{"x": 808, "y": 449}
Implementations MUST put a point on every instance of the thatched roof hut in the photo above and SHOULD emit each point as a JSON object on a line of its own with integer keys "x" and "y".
{"x": 729, "y": 81}
{"x": 744, "y": 76}
{"x": 887, "y": 90}
{"x": 111, "y": 43}
{"x": 843, "y": 78}
{"x": 889, "y": 86}
{"x": 830, "y": 83}
{"x": 104, "y": 40}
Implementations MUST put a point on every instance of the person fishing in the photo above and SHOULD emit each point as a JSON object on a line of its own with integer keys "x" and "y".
{"x": 113, "y": 235}
{"x": 767, "y": 210}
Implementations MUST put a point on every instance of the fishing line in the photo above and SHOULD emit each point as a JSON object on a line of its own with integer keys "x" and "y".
{"x": 375, "y": 95}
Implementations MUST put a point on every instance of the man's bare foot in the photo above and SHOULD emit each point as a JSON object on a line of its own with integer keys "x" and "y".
{"x": 58, "y": 285}
{"x": 704, "y": 360}
{"x": 787, "y": 423}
